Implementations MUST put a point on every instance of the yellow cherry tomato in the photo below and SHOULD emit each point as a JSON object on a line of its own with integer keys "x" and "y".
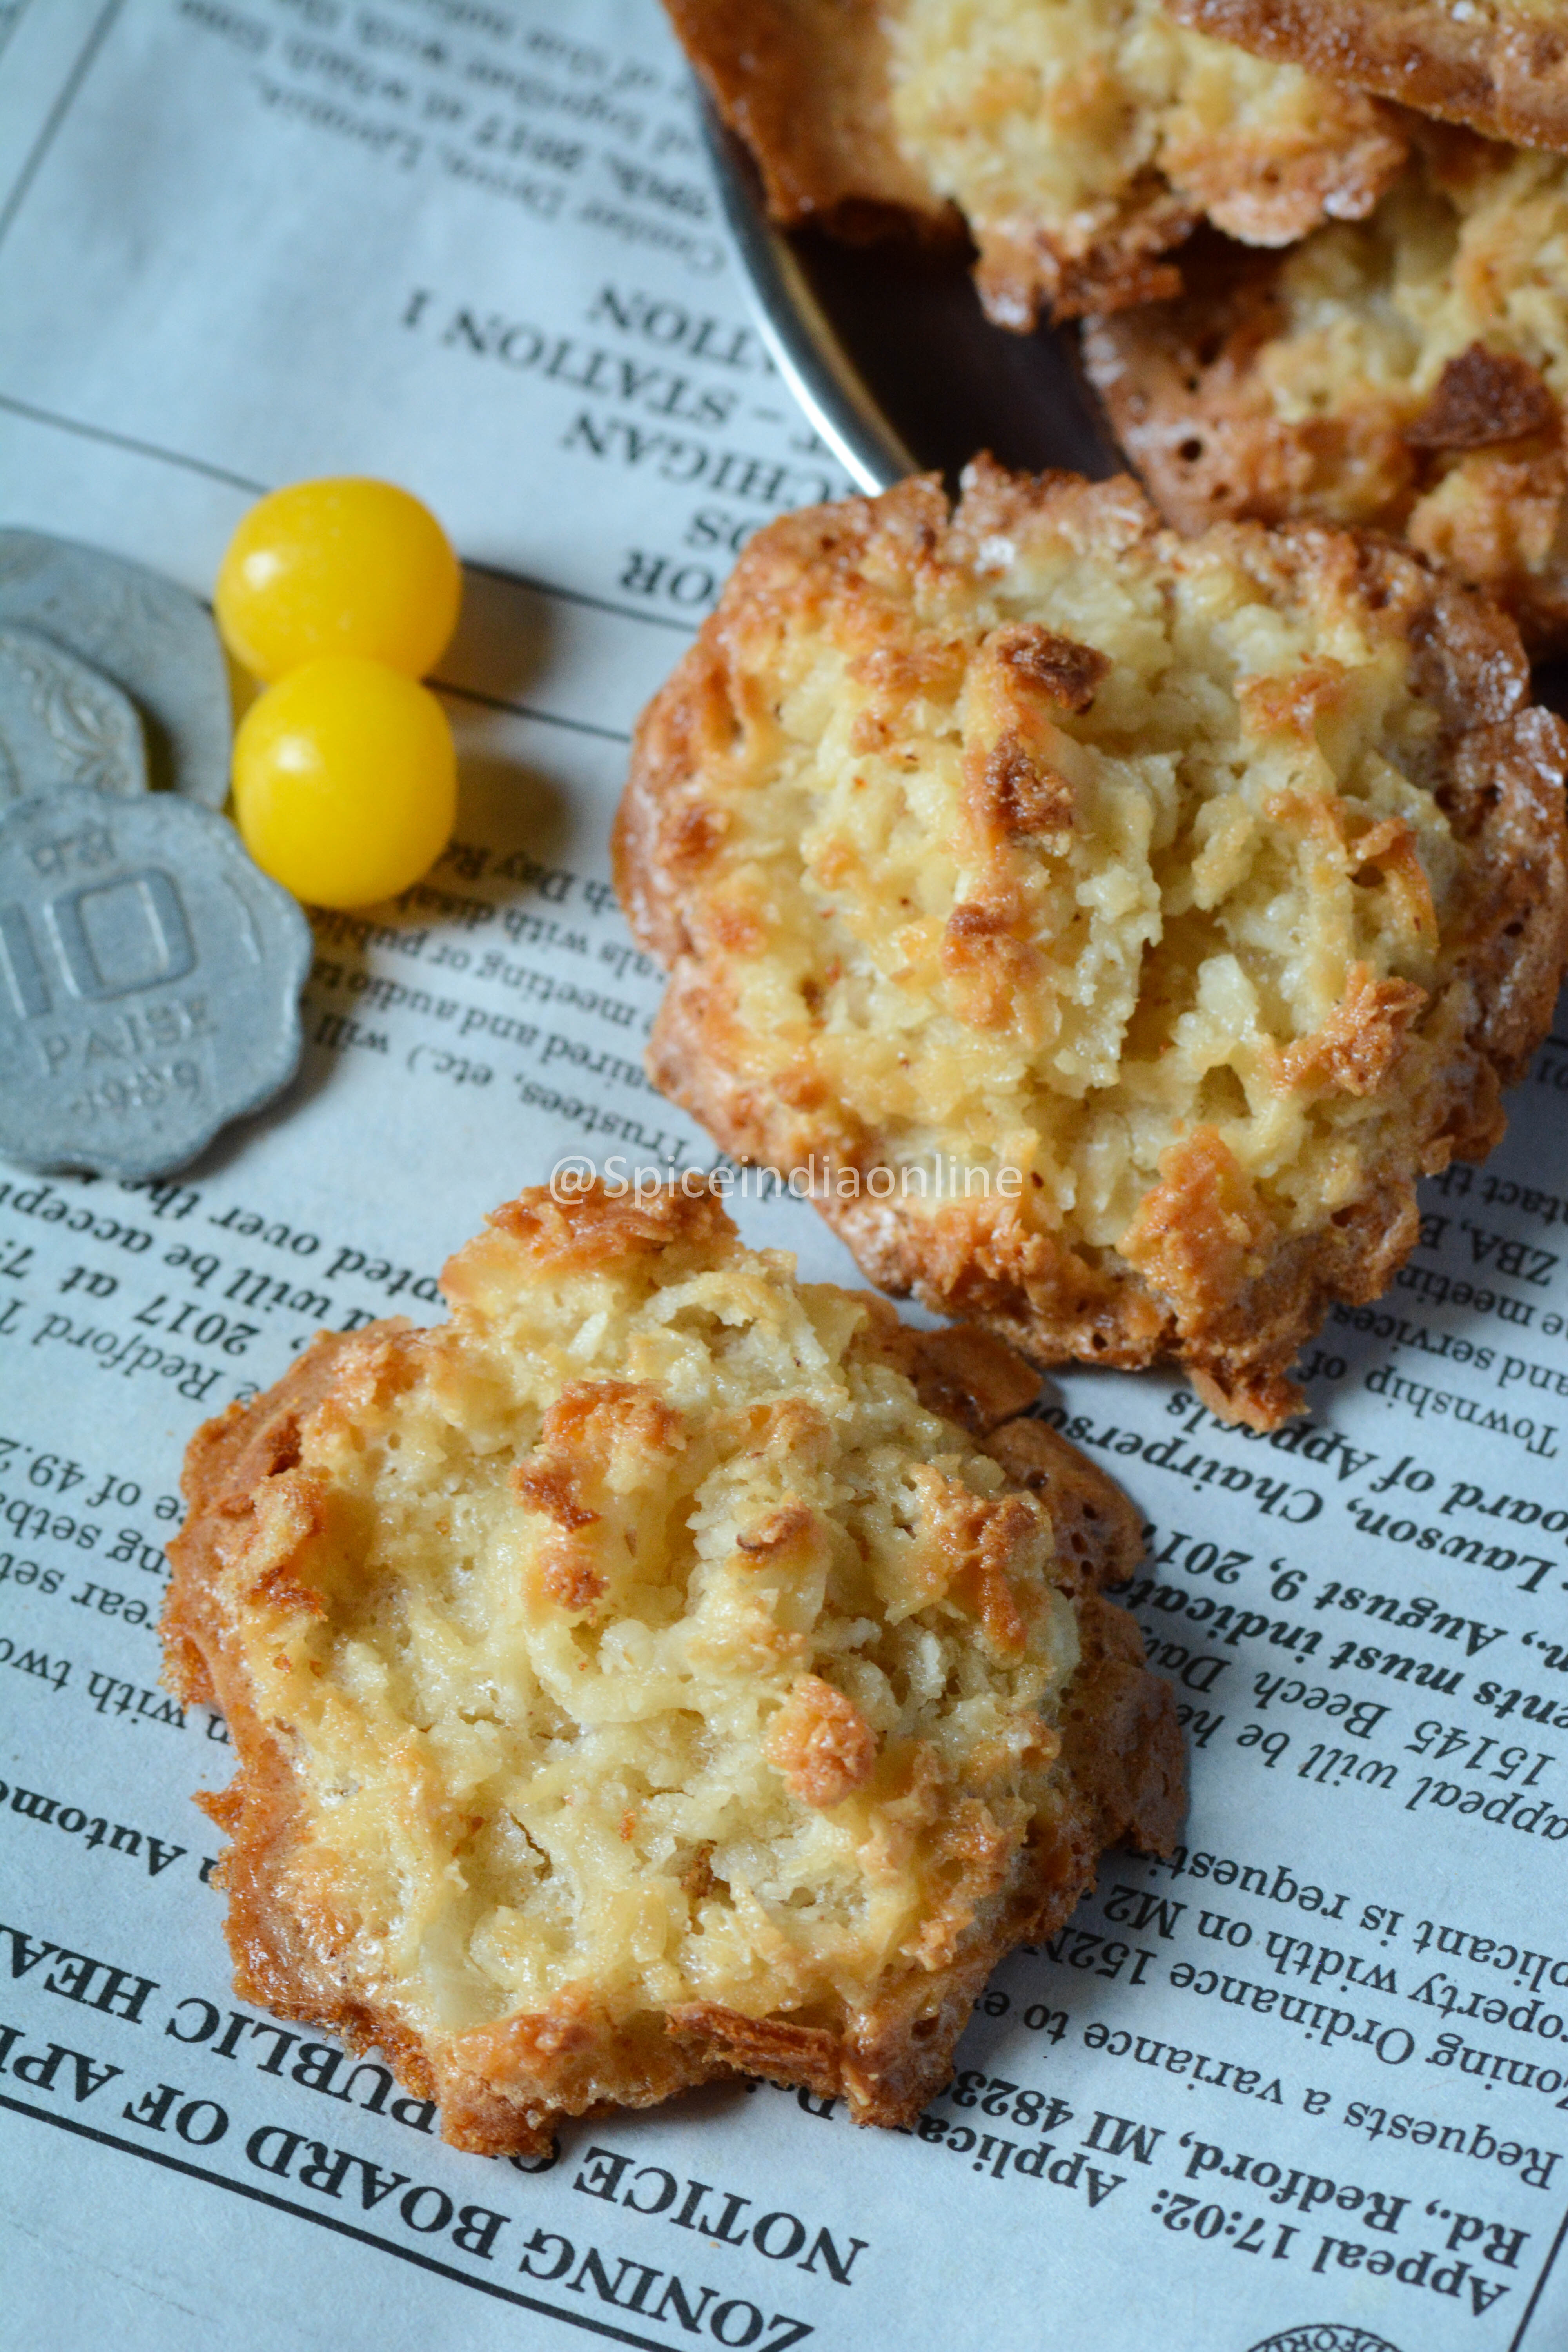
{"x": 345, "y": 780}
{"x": 346, "y": 566}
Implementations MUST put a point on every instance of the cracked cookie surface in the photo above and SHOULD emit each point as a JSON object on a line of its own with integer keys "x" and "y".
{"x": 1113, "y": 926}
{"x": 663, "y": 1670}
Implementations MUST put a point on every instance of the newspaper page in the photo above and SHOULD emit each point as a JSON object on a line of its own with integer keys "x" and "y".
{"x": 1305, "y": 2085}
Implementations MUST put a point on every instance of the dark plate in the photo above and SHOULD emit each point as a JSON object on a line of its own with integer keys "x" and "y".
{"x": 886, "y": 349}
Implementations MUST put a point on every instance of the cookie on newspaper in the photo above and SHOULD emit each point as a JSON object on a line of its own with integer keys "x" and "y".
{"x": 1113, "y": 926}
{"x": 1407, "y": 371}
{"x": 655, "y": 1674}
{"x": 1499, "y": 65}
{"x": 1080, "y": 142}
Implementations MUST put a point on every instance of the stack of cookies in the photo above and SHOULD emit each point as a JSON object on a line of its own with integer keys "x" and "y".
{"x": 1304, "y": 298}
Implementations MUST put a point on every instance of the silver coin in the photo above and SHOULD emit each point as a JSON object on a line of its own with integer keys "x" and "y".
{"x": 150, "y": 978}
{"x": 63, "y": 723}
{"x": 151, "y": 639}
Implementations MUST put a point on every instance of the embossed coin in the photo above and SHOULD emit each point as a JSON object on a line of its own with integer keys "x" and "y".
{"x": 63, "y": 723}
{"x": 1325, "y": 2336}
{"x": 155, "y": 642}
{"x": 150, "y": 978}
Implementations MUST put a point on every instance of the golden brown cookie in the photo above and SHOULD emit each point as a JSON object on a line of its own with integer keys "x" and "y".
{"x": 1406, "y": 372}
{"x": 653, "y": 1674}
{"x": 1112, "y": 925}
{"x": 1500, "y": 64}
{"x": 1079, "y": 141}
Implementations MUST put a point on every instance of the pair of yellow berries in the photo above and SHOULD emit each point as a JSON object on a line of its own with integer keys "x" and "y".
{"x": 345, "y": 777}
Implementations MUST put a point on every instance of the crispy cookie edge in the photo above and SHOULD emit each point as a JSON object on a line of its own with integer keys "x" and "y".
{"x": 1509, "y": 78}
{"x": 804, "y": 84}
{"x": 279, "y": 1962}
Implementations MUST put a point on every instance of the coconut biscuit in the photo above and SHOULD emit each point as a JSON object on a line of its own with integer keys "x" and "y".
{"x": 662, "y": 1670}
{"x": 1113, "y": 926}
{"x": 1079, "y": 141}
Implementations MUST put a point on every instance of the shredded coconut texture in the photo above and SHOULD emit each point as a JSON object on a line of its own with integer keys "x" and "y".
{"x": 1082, "y": 140}
{"x": 633, "y": 1679}
{"x": 1149, "y": 883}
